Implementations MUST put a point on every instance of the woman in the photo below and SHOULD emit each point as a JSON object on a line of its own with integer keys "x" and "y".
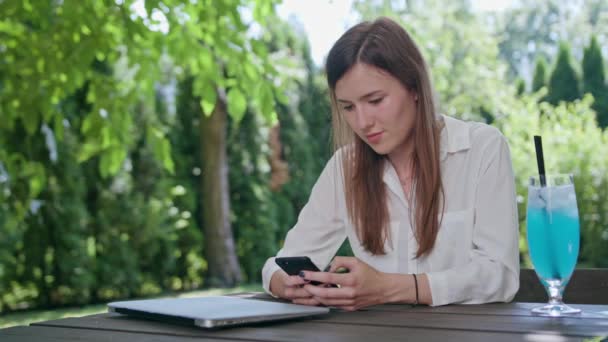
{"x": 426, "y": 201}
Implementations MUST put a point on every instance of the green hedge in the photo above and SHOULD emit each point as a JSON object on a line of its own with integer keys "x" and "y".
{"x": 573, "y": 143}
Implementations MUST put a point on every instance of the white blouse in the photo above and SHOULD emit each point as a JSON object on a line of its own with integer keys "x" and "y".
{"x": 476, "y": 254}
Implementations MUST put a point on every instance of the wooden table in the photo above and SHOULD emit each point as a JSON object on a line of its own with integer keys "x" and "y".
{"x": 489, "y": 322}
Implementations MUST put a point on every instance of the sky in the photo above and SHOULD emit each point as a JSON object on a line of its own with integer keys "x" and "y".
{"x": 325, "y": 20}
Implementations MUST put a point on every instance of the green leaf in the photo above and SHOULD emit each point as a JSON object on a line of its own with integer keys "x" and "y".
{"x": 161, "y": 148}
{"x": 90, "y": 124}
{"x": 207, "y": 106}
{"x": 47, "y": 113}
{"x": 266, "y": 101}
{"x": 259, "y": 48}
{"x": 40, "y": 65}
{"x": 30, "y": 121}
{"x": 208, "y": 98}
{"x": 251, "y": 72}
{"x": 273, "y": 118}
{"x": 111, "y": 160}
{"x": 282, "y": 97}
{"x": 104, "y": 165}
{"x": 166, "y": 156}
{"x": 206, "y": 60}
{"x": 117, "y": 157}
{"x": 88, "y": 150}
{"x": 106, "y": 137}
{"x": 237, "y": 104}
{"x": 11, "y": 28}
{"x": 58, "y": 127}
{"x": 37, "y": 178}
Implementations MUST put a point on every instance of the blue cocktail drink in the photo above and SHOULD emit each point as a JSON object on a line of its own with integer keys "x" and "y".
{"x": 553, "y": 237}
{"x": 554, "y": 241}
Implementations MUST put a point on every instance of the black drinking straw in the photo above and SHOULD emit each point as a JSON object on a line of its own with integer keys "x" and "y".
{"x": 540, "y": 160}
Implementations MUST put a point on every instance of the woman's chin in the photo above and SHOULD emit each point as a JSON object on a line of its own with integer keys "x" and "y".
{"x": 380, "y": 149}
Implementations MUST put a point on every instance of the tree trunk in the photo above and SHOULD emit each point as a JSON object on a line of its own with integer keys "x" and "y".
{"x": 223, "y": 267}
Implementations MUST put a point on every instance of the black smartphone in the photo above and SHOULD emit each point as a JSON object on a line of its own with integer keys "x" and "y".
{"x": 293, "y": 266}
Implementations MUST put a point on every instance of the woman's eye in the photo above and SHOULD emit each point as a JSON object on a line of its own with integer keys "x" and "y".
{"x": 348, "y": 108}
{"x": 376, "y": 101}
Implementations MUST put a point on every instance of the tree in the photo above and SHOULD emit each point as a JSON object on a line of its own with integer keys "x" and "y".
{"x": 563, "y": 82}
{"x": 51, "y": 50}
{"x": 520, "y": 86}
{"x": 223, "y": 266}
{"x": 540, "y": 74}
{"x": 531, "y": 29}
{"x": 274, "y": 166}
{"x": 594, "y": 81}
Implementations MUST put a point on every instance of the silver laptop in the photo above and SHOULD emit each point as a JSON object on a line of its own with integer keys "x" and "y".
{"x": 213, "y": 312}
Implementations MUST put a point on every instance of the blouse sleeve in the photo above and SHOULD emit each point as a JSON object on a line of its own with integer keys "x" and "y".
{"x": 320, "y": 228}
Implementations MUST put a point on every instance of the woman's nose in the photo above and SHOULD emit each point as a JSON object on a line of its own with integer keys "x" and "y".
{"x": 364, "y": 119}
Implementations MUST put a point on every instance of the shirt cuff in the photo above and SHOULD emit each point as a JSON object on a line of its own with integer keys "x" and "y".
{"x": 267, "y": 271}
{"x": 438, "y": 283}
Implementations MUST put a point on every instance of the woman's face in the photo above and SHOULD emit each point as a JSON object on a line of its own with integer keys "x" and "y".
{"x": 378, "y": 108}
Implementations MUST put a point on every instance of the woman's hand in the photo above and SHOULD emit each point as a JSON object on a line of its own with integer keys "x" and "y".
{"x": 290, "y": 287}
{"x": 363, "y": 286}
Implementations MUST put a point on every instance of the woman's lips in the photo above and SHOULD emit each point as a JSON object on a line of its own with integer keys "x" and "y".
{"x": 374, "y": 137}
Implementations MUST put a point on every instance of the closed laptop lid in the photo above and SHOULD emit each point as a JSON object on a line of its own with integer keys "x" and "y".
{"x": 216, "y": 311}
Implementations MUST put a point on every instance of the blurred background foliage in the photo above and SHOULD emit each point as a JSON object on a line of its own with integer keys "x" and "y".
{"x": 103, "y": 152}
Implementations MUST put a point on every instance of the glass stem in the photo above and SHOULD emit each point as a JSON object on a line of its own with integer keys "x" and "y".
{"x": 555, "y": 292}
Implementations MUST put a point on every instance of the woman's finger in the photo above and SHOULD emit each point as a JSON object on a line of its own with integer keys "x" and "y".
{"x": 296, "y": 292}
{"x": 328, "y": 278}
{"x": 306, "y": 301}
{"x": 330, "y": 292}
{"x": 343, "y": 262}
{"x": 335, "y": 302}
{"x": 293, "y": 281}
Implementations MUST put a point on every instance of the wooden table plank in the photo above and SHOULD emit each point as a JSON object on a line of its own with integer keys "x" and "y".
{"x": 359, "y": 323}
{"x": 488, "y": 317}
{"x": 307, "y": 330}
{"x": 501, "y": 309}
{"x": 506, "y": 309}
{"x": 53, "y": 334}
{"x": 590, "y": 327}
{"x": 496, "y": 322}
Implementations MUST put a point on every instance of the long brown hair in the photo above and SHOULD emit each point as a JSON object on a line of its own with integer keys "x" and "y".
{"x": 384, "y": 44}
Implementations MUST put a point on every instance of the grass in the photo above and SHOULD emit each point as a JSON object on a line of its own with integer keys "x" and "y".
{"x": 33, "y": 316}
